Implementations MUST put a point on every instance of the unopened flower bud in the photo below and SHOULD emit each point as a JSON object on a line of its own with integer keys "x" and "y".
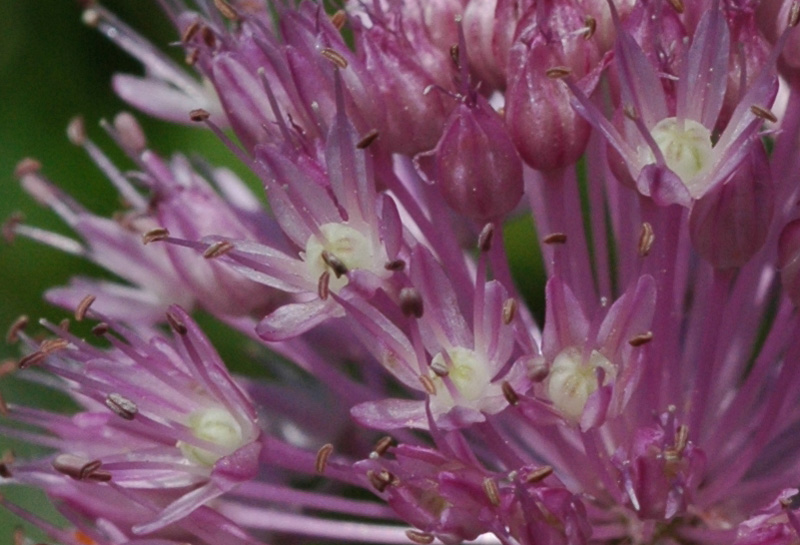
{"x": 489, "y": 27}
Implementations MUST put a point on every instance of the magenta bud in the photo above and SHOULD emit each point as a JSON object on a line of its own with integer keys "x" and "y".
{"x": 729, "y": 224}
{"x": 789, "y": 260}
{"x": 489, "y": 28}
{"x": 477, "y": 167}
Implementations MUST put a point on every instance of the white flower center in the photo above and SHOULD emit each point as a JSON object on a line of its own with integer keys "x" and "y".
{"x": 215, "y": 425}
{"x": 342, "y": 243}
{"x": 686, "y": 146}
{"x": 466, "y": 371}
{"x": 571, "y": 380}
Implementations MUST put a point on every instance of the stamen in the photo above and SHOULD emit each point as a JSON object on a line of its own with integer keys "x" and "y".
{"x": 7, "y": 367}
{"x": 190, "y": 31}
{"x": 198, "y": 115}
{"x": 591, "y": 27}
{"x": 677, "y": 5}
{"x": 454, "y": 54}
{"x": 121, "y": 406}
{"x": 153, "y": 235}
{"x": 641, "y": 339}
{"x": 538, "y": 475}
{"x": 323, "y": 285}
{"x": 381, "y": 479}
{"x": 646, "y": 239}
{"x": 485, "y": 238}
{"x": 428, "y": 384}
{"x": 217, "y": 249}
{"x": 439, "y": 367}
{"x": 794, "y": 14}
{"x": 335, "y": 57}
{"x": 337, "y": 265}
{"x": 491, "y": 490}
{"x": 763, "y": 113}
{"x": 509, "y": 393}
{"x": 50, "y": 346}
{"x": 27, "y": 166}
{"x": 681, "y": 438}
{"x": 83, "y": 307}
{"x": 208, "y": 37}
{"x": 226, "y": 10}
{"x": 555, "y": 238}
{"x": 100, "y": 329}
{"x": 75, "y": 466}
{"x": 383, "y": 444}
{"x": 338, "y": 19}
{"x": 558, "y": 72}
{"x": 509, "y": 310}
{"x": 630, "y": 112}
{"x": 395, "y": 265}
{"x": 322, "y": 458}
{"x": 423, "y": 538}
{"x": 10, "y": 226}
{"x": 76, "y": 131}
{"x": 34, "y": 358}
{"x": 411, "y": 302}
{"x": 90, "y": 18}
{"x": 176, "y": 323}
{"x": 13, "y": 332}
{"x": 63, "y": 325}
{"x": 368, "y": 139}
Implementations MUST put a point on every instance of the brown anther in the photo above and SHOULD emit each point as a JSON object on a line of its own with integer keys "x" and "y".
{"x": 428, "y": 384}
{"x": 90, "y": 18}
{"x": 50, "y": 346}
{"x": 395, "y": 265}
{"x": 681, "y": 438}
{"x": 34, "y": 358}
{"x": 226, "y": 10}
{"x": 10, "y": 226}
{"x": 383, "y": 445}
{"x": 537, "y": 369}
{"x": 630, "y": 112}
{"x": 646, "y": 239}
{"x": 539, "y": 474}
{"x": 509, "y": 393}
{"x": 411, "y": 302}
{"x": 5, "y": 462}
{"x": 190, "y": 31}
{"x": 555, "y": 238}
{"x": 368, "y": 139}
{"x": 485, "y": 237}
{"x": 191, "y": 57}
{"x": 27, "y": 166}
{"x": 5, "y": 472}
{"x": 217, "y": 249}
{"x": 7, "y": 367}
{"x": 176, "y": 323}
{"x": 337, "y": 265}
{"x": 491, "y": 490}
{"x": 423, "y": 538}
{"x": 439, "y": 368}
{"x": 641, "y": 339}
{"x": 19, "y": 324}
{"x": 338, "y": 19}
{"x": 335, "y": 57}
{"x": 101, "y": 476}
{"x": 83, "y": 307}
{"x": 380, "y": 480}
{"x": 677, "y": 5}
{"x": 322, "y": 458}
{"x": 509, "y": 310}
{"x": 591, "y": 27}
{"x": 3, "y": 406}
{"x": 19, "y": 536}
{"x": 100, "y": 329}
{"x": 208, "y": 37}
{"x": 76, "y": 131}
{"x": 154, "y": 235}
{"x": 64, "y": 324}
{"x": 763, "y": 113}
{"x": 75, "y": 466}
{"x": 121, "y": 406}
{"x": 323, "y": 285}
{"x": 454, "y": 54}
{"x": 792, "y": 502}
{"x": 199, "y": 115}
{"x": 558, "y": 72}
{"x": 794, "y": 14}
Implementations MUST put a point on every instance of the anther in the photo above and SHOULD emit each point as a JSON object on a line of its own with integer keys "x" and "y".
{"x": 509, "y": 310}
{"x": 100, "y": 329}
{"x": 681, "y": 438}
{"x": 121, "y": 406}
{"x": 338, "y": 19}
{"x": 75, "y": 466}
{"x": 491, "y": 491}
{"x": 428, "y": 384}
{"x": 439, "y": 367}
{"x": 51, "y": 346}
{"x": 7, "y": 367}
{"x": 558, "y": 72}
{"x": 423, "y": 538}
{"x": 485, "y": 237}
{"x": 130, "y": 132}
{"x": 226, "y": 10}
{"x": 591, "y": 27}
{"x": 411, "y": 302}
{"x": 538, "y": 475}
{"x": 630, "y": 112}
{"x": 83, "y": 307}
{"x": 380, "y": 480}
{"x": 3, "y": 411}
{"x": 641, "y": 339}
{"x": 794, "y": 14}
{"x": 646, "y": 239}
{"x": 454, "y": 54}
{"x": 337, "y": 265}
{"x": 153, "y": 235}
{"x": 395, "y": 265}
{"x": 176, "y": 323}
{"x": 322, "y": 458}
{"x": 763, "y": 113}
{"x": 335, "y": 57}
{"x": 368, "y": 139}
{"x": 13, "y": 332}
{"x": 10, "y": 227}
{"x": 791, "y": 503}
{"x": 509, "y": 393}
{"x": 76, "y": 131}
{"x": 19, "y": 537}
{"x": 677, "y": 5}
{"x": 323, "y": 285}
{"x": 90, "y": 18}
{"x": 190, "y": 31}
{"x": 64, "y": 324}
{"x": 34, "y": 358}
{"x": 208, "y": 37}
{"x": 555, "y": 238}
{"x": 383, "y": 445}
{"x": 217, "y": 249}
{"x": 199, "y": 115}
{"x": 537, "y": 370}
{"x": 27, "y": 166}
{"x": 191, "y": 57}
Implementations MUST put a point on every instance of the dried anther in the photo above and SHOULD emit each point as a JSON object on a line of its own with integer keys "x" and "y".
{"x": 199, "y": 114}
{"x": 10, "y": 226}
{"x": 395, "y": 265}
{"x": 555, "y": 238}
{"x": 121, "y": 406}
{"x": 558, "y": 72}
{"x": 368, "y": 139}
{"x": 411, "y": 302}
{"x": 226, "y": 10}
{"x": 190, "y": 31}
{"x": 217, "y": 249}
{"x": 646, "y": 239}
{"x": 509, "y": 393}
{"x": 83, "y": 307}
{"x": 338, "y": 19}
{"x": 383, "y": 445}
{"x": 153, "y": 235}
{"x": 423, "y": 538}
{"x": 323, "y": 285}
{"x": 53, "y": 345}
{"x": 428, "y": 384}
{"x": 380, "y": 480}
{"x": 335, "y": 57}
{"x": 34, "y": 358}
{"x": 27, "y": 166}
{"x": 439, "y": 367}
{"x": 13, "y": 332}
{"x": 763, "y": 113}
{"x": 539, "y": 474}
{"x": 322, "y": 458}
{"x": 641, "y": 339}
{"x": 509, "y": 310}
{"x": 79, "y": 468}
{"x": 337, "y": 265}
{"x": 677, "y": 5}
{"x": 485, "y": 237}
{"x": 176, "y": 323}
{"x": 491, "y": 490}
{"x": 100, "y": 329}
{"x": 76, "y": 131}
{"x": 591, "y": 27}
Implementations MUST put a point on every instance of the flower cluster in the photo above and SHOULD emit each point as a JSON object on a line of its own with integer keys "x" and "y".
{"x": 410, "y": 392}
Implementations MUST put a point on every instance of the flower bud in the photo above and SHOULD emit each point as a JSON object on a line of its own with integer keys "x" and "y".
{"x": 477, "y": 167}
{"x": 489, "y": 28}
